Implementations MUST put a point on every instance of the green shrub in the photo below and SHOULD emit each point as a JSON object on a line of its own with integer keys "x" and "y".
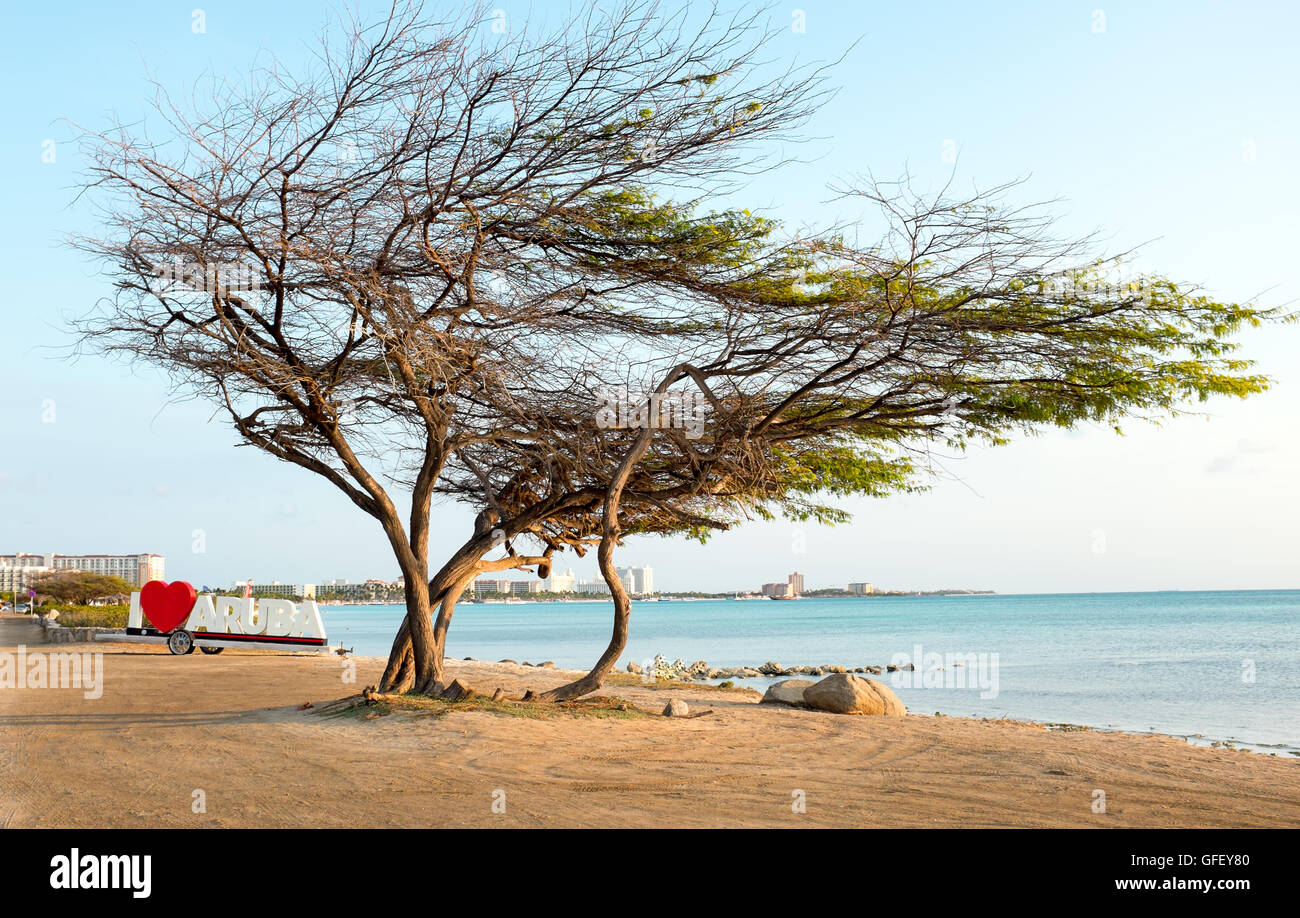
{"x": 91, "y": 616}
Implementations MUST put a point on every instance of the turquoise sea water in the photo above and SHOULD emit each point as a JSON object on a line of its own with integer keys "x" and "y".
{"x": 1224, "y": 665}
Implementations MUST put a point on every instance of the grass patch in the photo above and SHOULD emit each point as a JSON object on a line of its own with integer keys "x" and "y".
{"x": 598, "y": 706}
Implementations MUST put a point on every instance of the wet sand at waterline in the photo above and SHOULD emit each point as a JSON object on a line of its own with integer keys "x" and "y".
{"x": 229, "y": 726}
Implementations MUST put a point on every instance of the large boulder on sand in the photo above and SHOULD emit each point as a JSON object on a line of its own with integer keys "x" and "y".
{"x": 789, "y": 691}
{"x": 847, "y": 694}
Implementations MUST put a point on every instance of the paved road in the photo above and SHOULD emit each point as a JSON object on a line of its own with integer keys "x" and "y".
{"x": 14, "y": 789}
{"x": 19, "y": 629}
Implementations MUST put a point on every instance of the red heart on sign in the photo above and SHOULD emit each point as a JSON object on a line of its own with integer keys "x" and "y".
{"x": 167, "y": 604}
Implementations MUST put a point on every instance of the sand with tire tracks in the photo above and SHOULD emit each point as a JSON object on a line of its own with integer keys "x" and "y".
{"x": 226, "y": 730}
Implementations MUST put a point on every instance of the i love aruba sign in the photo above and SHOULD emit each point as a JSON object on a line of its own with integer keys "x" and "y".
{"x": 221, "y": 621}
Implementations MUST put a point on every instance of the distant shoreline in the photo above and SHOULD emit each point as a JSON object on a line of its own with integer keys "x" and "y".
{"x": 892, "y": 594}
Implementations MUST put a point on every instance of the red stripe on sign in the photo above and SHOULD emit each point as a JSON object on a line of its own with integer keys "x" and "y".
{"x": 217, "y": 635}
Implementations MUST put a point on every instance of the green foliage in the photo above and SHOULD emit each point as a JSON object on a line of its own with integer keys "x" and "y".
{"x": 74, "y": 616}
{"x": 668, "y": 236}
{"x": 1033, "y": 352}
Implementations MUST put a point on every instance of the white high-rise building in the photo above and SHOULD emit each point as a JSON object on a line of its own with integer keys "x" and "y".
{"x": 17, "y": 576}
{"x": 562, "y": 583}
{"x": 136, "y": 570}
{"x": 17, "y": 573}
{"x": 639, "y": 581}
{"x": 22, "y": 560}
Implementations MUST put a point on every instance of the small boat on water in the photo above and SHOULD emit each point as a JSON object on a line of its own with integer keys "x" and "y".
{"x": 785, "y": 597}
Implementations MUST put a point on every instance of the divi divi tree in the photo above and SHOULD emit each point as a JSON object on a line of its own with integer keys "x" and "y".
{"x": 419, "y": 270}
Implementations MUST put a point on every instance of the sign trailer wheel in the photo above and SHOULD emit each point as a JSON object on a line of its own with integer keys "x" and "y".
{"x": 212, "y": 650}
{"x": 180, "y": 642}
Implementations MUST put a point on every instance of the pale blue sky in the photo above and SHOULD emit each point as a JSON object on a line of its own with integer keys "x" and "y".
{"x": 1145, "y": 129}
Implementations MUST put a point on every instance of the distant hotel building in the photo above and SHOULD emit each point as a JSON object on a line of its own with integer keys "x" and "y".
{"x": 861, "y": 589}
{"x": 793, "y": 586}
{"x": 137, "y": 570}
{"x": 637, "y": 581}
{"x": 276, "y": 588}
{"x": 485, "y": 587}
{"x": 344, "y": 589}
{"x": 562, "y": 583}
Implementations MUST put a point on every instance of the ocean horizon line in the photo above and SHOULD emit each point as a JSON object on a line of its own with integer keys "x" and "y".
{"x": 900, "y": 594}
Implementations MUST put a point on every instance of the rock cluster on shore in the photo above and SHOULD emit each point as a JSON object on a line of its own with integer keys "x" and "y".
{"x": 701, "y": 671}
{"x": 841, "y": 690}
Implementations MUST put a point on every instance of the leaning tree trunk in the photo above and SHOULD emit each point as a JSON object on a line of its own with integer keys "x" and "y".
{"x": 617, "y": 640}
{"x": 442, "y": 622}
{"x": 605, "y": 555}
{"x": 424, "y": 658}
{"x": 401, "y": 674}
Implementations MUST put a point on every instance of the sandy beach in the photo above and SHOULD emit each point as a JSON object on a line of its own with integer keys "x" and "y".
{"x": 230, "y": 726}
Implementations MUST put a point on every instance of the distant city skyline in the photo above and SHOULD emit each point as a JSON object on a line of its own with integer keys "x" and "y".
{"x": 11, "y": 578}
{"x": 638, "y": 579}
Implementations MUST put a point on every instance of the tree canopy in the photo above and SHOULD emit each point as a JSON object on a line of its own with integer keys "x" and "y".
{"x": 78, "y": 587}
{"x": 448, "y": 266}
